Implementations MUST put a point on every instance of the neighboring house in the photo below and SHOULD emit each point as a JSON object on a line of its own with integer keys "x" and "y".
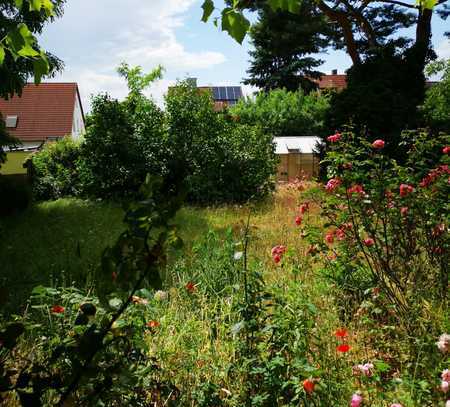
{"x": 297, "y": 157}
{"x": 333, "y": 81}
{"x": 223, "y": 96}
{"x": 45, "y": 112}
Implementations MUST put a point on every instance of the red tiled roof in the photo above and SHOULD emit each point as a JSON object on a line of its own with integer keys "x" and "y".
{"x": 43, "y": 111}
{"x": 333, "y": 82}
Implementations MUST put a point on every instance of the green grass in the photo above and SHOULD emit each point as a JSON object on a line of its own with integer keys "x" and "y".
{"x": 55, "y": 243}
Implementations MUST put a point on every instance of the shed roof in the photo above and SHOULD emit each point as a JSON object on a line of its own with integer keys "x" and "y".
{"x": 305, "y": 145}
{"x": 43, "y": 111}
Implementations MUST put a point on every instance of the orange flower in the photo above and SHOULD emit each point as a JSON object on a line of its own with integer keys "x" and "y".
{"x": 343, "y": 348}
{"x": 57, "y": 309}
{"x": 308, "y": 386}
{"x": 341, "y": 333}
{"x": 153, "y": 324}
{"x": 190, "y": 287}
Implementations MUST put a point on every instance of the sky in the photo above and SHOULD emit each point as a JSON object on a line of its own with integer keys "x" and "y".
{"x": 94, "y": 36}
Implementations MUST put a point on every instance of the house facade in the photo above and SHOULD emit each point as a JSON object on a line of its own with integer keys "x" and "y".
{"x": 45, "y": 112}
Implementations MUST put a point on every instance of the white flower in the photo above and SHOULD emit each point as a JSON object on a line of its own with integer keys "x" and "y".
{"x": 445, "y": 386}
{"x": 161, "y": 295}
{"x": 445, "y": 375}
{"x": 444, "y": 343}
{"x": 238, "y": 255}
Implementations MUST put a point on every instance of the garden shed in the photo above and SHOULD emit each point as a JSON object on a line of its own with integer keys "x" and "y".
{"x": 297, "y": 157}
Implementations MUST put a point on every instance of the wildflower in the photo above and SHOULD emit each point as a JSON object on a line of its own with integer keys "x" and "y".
{"x": 138, "y": 300}
{"x": 57, "y": 309}
{"x": 298, "y": 220}
{"x": 404, "y": 210}
{"x": 446, "y": 150}
{"x": 279, "y": 249}
{"x": 378, "y": 144}
{"x": 356, "y": 189}
{"x": 369, "y": 242}
{"x": 445, "y": 375}
{"x": 153, "y": 324}
{"x": 161, "y": 295}
{"x": 443, "y": 343}
{"x": 343, "y": 348}
{"x": 190, "y": 287}
{"x": 238, "y": 256}
{"x": 445, "y": 386}
{"x": 329, "y": 237}
{"x": 365, "y": 369}
{"x": 277, "y": 258}
{"x": 340, "y": 234}
{"x": 308, "y": 386}
{"x": 304, "y": 208}
{"x": 406, "y": 189}
{"x": 396, "y": 405}
{"x": 332, "y": 184}
{"x": 356, "y": 400}
{"x": 341, "y": 333}
{"x": 334, "y": 138}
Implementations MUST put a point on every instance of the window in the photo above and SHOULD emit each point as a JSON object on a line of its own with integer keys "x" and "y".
{"x": 11, "y": 122}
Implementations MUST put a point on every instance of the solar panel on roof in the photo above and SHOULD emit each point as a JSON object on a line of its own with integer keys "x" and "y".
{"x": 215, "y": 91}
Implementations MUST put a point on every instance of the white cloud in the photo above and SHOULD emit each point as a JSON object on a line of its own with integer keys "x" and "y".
{"x": 443, "y": 49}
{"x": 141, "y": 33}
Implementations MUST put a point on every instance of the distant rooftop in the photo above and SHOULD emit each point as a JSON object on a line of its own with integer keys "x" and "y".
{"x": 305, "y": 145}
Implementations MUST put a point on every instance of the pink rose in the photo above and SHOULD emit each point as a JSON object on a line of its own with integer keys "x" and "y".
{"x": 369, "y": 242}
{"x": 445, "y": 386}
{"x": 329, "y": 237}
{"x": 446, "y": 375}
{"x": 334, "y": 138}
{"x": 378, "y": 144}
{"x": 356, "y": 400}
{"x": 446, "y": 150}
{"x": 406, "y": 189}
{"x": 404, "y": 210}
{"x": 332, "y": 184}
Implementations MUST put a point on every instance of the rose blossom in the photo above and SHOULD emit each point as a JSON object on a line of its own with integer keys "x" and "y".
{"x": 445, "y": 386}
{"x": 329, "y": 237}
{"x": 356, "y": 400}
{"x": 378, "y": 144}
{"x": 406, "y": 189}
{"x": 334, "y": 138}
{"x": 446, "y": 150}
{"x": 57, "y": 309}
{"x": 443, "y": 343}
{"x": 365, "y": 370}
{"x": 332, "y": 184}
{"x": 404, "y": 210}
{"x": 445, "y": 375}
{"x": 308, "y": 385}
{"x": 298, "y": 220}
{"x": 369, "y": 242}
{"x": 304, "y": 208}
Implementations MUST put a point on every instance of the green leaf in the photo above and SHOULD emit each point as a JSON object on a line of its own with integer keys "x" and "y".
{"x": 18, "y": 3}
{"x": 2, "y": 54}
{"x": 235, "y": 24}
{"x": 426, "y": 4}
{"x": 208, "y": 8}
{"x": 41, "y": 67}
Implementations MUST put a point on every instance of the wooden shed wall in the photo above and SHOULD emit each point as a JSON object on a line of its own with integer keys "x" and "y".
{"x": 295, "y": 165}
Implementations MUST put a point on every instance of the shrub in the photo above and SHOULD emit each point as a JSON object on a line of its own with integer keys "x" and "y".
{"x": 436, "y": 108}
{"x": 226, "y": 162}
{"x": 55, "y": 170}
{"x": 381, "y": 99}
{"x": 390, "y": 220}
{"x": 283, "y": 113}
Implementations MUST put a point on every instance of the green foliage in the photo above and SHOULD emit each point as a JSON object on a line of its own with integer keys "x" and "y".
{"x": 55, "y": 170}
{"x": 283, "y": 47}
{"x": 112, "y": 163}
{"x": 16, "y": 195}
{"x": 226, "y": 162}
{"x": 380, "y": 213}
{"x": 380, "y": 100}
{"x": 436, "y": 108}
{"x": 20, "y": 54}
{"x": 283, "y": 113}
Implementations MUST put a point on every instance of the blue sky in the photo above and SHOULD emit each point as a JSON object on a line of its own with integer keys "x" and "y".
{"x": 93, "y": 37}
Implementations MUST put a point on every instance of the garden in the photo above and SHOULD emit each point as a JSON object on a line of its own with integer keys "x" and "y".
{"x": 156, "y": 262}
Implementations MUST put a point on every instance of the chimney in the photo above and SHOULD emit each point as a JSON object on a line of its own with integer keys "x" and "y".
{"x": 334, "y": 72}
{"x": 192, "y": 82}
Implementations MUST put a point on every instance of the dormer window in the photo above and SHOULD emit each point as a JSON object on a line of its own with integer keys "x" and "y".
{"x": 11, "y": 122}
